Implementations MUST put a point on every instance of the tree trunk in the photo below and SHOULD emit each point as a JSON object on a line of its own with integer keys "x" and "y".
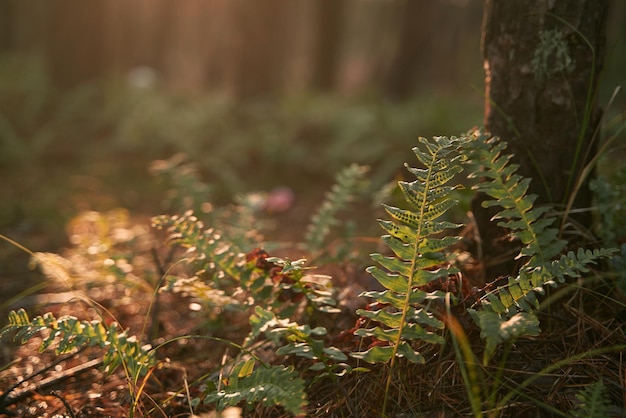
{"x": 330, "y": 18}
{"x": 542, "y": 62}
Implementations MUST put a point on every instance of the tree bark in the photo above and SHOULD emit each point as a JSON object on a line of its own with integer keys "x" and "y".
{"x": 542, "y": 64}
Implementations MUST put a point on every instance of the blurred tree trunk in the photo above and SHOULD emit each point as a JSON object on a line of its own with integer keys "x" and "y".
{"x": 542, "y": 63}
{"x": 7, "y": 19}
{"x": 264, "y": 43}
{"x": 330, "y": 19}
{"x": 75, "y": 41}
{"x": 417, "y": 21}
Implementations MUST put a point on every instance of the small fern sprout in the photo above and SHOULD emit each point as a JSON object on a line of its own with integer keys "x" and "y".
{"x": 593, "y": 402}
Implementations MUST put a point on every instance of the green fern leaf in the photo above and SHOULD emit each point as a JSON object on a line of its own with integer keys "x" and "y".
{"x": 494, "y": 329}
{"x": 418, "y": 256}
{"x": 594, "y": 402}
{"x": 350, "y": 182}
{"x": 274, "y": 385}
{"x": 508, "y": 311}
{"x": 508, "y": 190}
{"x": 207, "y": 249}
{"x": 70, "y": 333}
{"x": 212, "y": 257}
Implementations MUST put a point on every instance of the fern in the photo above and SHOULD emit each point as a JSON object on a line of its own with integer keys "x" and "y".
{"x": 541, "y": 245}
{"x": 186, "y": 190}
{"x": 69, "y": 334}
{"x": 270, "y": 385}
{"x": 212, "y": 257}
{"x": 349, "y": 183}
{"x": 508, "y": 190}
{"x": 301, "y": 340}
{"x": 418, "y": 257}
{"x": 223, "y": 276}
{"x": 544, "y": 265}
{"x": 594, "y": 402}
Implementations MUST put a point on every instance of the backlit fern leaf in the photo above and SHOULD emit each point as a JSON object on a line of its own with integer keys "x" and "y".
{"x": 508, "y": 190}
{"x": 273, "y": 385}
{"x": 541, "y": 245}
{"x": 418, "y": 257}
{"x": 206, "y": 249}
{"x": 70, "y": 333}
{"x": 545, "y": 265}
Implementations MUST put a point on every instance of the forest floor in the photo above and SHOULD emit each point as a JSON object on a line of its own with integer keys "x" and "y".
{"x": 43, "y": 384}
{"x": 545, "y": 374}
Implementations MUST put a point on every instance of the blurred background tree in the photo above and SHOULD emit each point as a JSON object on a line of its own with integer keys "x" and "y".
{"x": 260, "y": 93}
{"x": 255, "y": 48}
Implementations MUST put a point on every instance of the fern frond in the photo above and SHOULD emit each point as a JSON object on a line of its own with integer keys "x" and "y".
{"x": 594, "y": 402}
{"x": 349, "y": 184}
{"x": 508, "y": 190}
{"x": 70, "y": 333}
{"x": 495, "y": 330}
{"x": 186, "y": 190}
{"x": 271, "y": 385}
{"x": 207, "y": 250}
{"x": 418, "y": 256}
{"x": 545, "y": 265}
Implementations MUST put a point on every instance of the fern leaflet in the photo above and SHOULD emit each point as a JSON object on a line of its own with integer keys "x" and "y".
{"x": 348, "y": 184}
{"x": 271, "y": 385}
{"x": 594, "y": 402}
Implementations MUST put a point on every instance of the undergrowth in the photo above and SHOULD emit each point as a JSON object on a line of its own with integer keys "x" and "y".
{"x": 275, "y": 321}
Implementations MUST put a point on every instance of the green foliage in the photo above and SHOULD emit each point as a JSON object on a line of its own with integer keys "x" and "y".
{"x": 211, "y": 255}
{"x": 220, "y": 270}
{"x": 350, "y": 183}
{"x": 185, "y": 189}
{"x": 594, "y": 402}
{"x": 610, "y": 195}
{"x": 270, "y": 385}
{"x": 403, "y": 313}
{"x": 292, "y": 338}
{"x": 70, "y": 333}
{"x": 619, "y": 266}
{"x": 224, "y": 268}
{"x": 248, "y": 144}
{"x": 541, "y": 247}
{"x": 419, "y": 257}
{"x": 495, "y": 330}
{"x": 508, "y": 191}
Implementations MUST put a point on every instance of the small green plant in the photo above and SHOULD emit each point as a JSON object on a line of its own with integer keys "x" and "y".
{"x": 594, "y": 402}
{"x": 68, "y": 333}
{"x": 270, "y": 385}
{"x": 350, "y": 183}
{"x": 418, "y": 259}
{"x": 408, "y": 314}
{"x": 508, "y": 311}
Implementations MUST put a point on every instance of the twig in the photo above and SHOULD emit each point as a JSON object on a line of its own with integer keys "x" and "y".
{"x": 12, "y": 396}
{"x": 57, "y": 395}
{"x": 52, "y": 365}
